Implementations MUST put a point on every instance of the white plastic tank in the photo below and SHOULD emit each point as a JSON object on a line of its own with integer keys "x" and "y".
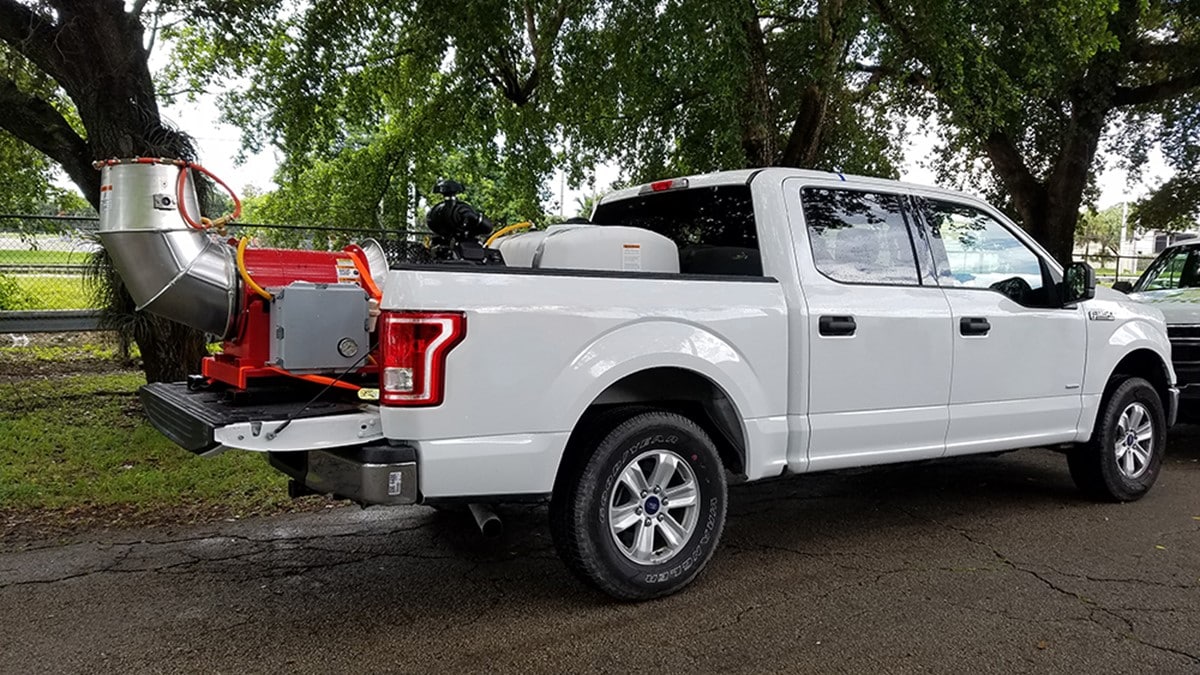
{"x": 592, "y": 247}
{"x": 518, "y": 249}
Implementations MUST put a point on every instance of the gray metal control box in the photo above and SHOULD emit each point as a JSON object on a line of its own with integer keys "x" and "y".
{"x": 318, "y": 328}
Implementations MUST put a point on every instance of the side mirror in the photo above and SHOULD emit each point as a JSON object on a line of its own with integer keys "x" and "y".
{"x": 1079, "y": 283}
{"x": 1123, "y": 286}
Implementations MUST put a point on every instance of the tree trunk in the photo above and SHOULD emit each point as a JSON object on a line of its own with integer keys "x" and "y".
{"x": 803, "y": 148}
{"x": 804, "y": 143}
{"x": 756, "y": 116}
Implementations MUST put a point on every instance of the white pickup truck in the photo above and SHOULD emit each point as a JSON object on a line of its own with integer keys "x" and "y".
{"x": 797, "y": 322}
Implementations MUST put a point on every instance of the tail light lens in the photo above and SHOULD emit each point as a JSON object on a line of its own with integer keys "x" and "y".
{"x": 413, "y": 347}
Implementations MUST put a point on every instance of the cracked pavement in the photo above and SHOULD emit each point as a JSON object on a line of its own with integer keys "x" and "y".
{"x": 992, "y": 564}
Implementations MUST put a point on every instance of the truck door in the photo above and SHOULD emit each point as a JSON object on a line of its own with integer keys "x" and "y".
{"x": 1018, "y": 354}
{"x": 879, "y": 339}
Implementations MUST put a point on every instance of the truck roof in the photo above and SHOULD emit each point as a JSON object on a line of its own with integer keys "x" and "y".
{"x": 743, "y": 176}
{"x": 1192, "y": 243}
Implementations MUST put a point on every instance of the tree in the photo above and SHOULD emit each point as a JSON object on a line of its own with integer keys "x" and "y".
{"x": 685, "y": 87}
{"x": 1101, "y": 229}
{"x": 25, "y": 176}
{"x": 372, "y": 101}
{"x": 1036, "y": 88}
{"x": 77, "y": 87}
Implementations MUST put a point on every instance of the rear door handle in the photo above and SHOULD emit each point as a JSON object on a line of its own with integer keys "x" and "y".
{"x": 836, "y": 325}
{"x": 974, "y": 325}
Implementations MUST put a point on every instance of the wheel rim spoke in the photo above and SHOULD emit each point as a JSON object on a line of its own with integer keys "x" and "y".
{"x": 664, "y": 469}
{"x": 624, "y": 517}
{"x": 1137, "y": 414}
{"x": 672, "y": 532}
{"x": 643, "y": 543}
{"x": 680, "y": 495}
{"x": 634, "y": 479}
{"x": 1139, "y": 453}
{"x": 1145, "y": 432}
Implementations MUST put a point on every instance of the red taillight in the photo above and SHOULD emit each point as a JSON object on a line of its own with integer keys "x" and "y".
{"x": 413, "y": 347}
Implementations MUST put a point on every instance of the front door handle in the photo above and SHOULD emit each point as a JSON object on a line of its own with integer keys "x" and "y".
{"x": 974, "y": 325}
{"x": 836, "y": 325}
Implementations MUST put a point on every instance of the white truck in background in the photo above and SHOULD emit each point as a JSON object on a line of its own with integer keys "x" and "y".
{"x": 747, "y": 323}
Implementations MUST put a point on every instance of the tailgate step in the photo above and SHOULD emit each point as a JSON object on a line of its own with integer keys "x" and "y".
{"x": 189, "y": 417}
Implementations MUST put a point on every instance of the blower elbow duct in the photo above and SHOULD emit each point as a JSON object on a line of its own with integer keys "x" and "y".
{"x": 169, "y": 268}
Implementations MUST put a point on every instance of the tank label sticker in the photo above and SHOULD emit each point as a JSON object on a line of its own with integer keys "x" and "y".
{"x": 631, "y": 257}
{"x": 395, "y": 483}
{"x": 347, "y": 273}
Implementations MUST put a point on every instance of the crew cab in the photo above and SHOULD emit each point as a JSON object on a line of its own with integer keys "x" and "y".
{"x": 744, "y": 324}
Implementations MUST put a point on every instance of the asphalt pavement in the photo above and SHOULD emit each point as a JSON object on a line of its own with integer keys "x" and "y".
{"x": 973, "y": 565}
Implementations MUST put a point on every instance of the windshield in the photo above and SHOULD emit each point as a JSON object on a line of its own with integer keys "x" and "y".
{"x": 1176, "y": 268}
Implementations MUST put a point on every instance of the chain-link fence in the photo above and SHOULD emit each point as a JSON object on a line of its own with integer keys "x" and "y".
{"x": 43, "y": 259}
{"x": 1111, "y": 268}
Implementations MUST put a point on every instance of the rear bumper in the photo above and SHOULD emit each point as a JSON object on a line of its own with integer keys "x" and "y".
{"x": 373, "y": 474}
{"x": 327, "y": 447}
{"x": 1173, "y": 404}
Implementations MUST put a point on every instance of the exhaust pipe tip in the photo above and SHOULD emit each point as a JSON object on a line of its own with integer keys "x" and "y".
{"x": 489, "y": 524}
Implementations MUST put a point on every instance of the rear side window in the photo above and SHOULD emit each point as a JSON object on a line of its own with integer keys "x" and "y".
{"x": 859, "y": 237}
{"x": 712, "y": 226}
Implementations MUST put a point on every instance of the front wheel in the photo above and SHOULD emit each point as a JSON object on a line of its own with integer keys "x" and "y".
{"x": 1122, "y": 460}
{"x": 640, "y": 517}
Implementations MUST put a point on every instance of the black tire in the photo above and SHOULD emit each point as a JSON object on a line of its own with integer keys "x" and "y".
{"x": 580, "y": 506}
{"x": 1094, "y": 465}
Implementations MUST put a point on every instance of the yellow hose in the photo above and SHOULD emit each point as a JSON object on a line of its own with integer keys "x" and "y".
{"x": 505, "y": 230}
{"x": 241, "y": 265}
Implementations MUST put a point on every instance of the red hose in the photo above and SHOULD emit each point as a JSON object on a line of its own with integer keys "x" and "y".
{"x": 179, "y": 185}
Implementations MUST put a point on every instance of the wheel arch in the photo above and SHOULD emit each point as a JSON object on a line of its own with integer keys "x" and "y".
{"x": 671, "y": 388}
{"x": 1146, "y": 364}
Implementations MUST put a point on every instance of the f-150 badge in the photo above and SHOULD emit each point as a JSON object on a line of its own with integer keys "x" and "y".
{"x": 1100, "y": 315}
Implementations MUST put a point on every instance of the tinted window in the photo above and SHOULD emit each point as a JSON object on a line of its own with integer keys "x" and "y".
{"x": 712, "y": 226}
{"x": 859, "y": 237}
{"x": 1177, "y": 269}
{"x": 974, "y": 250}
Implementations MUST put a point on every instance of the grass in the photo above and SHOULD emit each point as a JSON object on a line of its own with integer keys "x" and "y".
{"x": 53, "y": 292}
{"x": 54, "y": 354}
{"x": 28, "y": 257}
{"x": 79, "y": 445}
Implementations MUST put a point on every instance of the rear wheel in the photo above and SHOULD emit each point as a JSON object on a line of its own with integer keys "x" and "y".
{"x": 640, "y": 517}
{"x": 1122, "y": 460}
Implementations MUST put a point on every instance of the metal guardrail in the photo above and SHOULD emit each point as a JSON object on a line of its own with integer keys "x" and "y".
{"x": 49, "y": 321}
{"x": 64, "y": 269}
